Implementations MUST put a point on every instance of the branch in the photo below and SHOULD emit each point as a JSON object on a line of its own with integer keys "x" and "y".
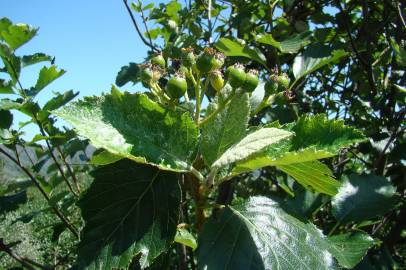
{"x": 138, "y": 28}
{"x": 15, "y": 256}
{"x": 43, "y": 192}
{"x": 145, "y": 24}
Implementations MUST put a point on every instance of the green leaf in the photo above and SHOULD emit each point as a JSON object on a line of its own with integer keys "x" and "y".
{"x": 6, "y": 87}
{"x": 400, "y": 53}
{"x": 226, "y": 129}
{"x": 104, "y": 158}
{"x": 290, "y": 45}
{"x": 11, "y": 62}
{"x": 133, "y": 126}
{"x": 129, "y": 209}
{"x": 184, "y": 237}
{"x": 251, "y": 144}
{"x": 56, "y": 102}
{"x": 257, "y": 96}
{"x": 312, "y": 174}
{"x": 233, "y": 48}
{"x": 258, "y": 234}
{"x": 350, "y": 248}
{"x": 315, "y": 57}
{"x": 32, "y": 59}
{"x": 8, "y": 104}
{"x": 12, "y": 202}
{"x": 315, "y": 137}
{"x": 130, "y": 73}
{"x": 16, "y": 35}
{"x": 46, "y": 76}
{"x": 363, "y": 197}
{"x": 6, "y": 119}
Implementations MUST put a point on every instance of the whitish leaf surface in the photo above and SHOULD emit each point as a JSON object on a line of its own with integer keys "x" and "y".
{"x": 251, "y": 144}
{"x": 350, "y": 248}
{"x": 133, "y": 126}
{"x": 129, "y": 209}
{"x": 258, "y": 234}
{"x": 315, "y": 57}
{"x": 362, "y": 197}
{"x": 226, "y": 129}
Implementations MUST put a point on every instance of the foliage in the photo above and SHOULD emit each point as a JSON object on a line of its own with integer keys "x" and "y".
{"x": 270, "y": 135}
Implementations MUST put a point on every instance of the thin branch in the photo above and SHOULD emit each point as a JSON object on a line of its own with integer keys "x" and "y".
{"x": 15, "y": 256}
{"x": 43, "y": 192}
{"x": 138, "y": 28}
{"x": 400, "y": 13}
{"x": 51, "y": 153}
{"x": 209, "y": 7}
{"x": 70, "y": 171}
{"x": 145, "y": 24}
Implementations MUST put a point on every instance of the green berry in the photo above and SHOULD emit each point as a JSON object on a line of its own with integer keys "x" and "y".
{"x": 271, "y": 86}
{"x": 146, "y": 75}
{"x": 176, "y": 86}
{"x": 158, "y": 60}
{"x": 236, "y": 75}
{"x": 216, "y": 80}
{"x": 209, "y": 60}
{"x": 283, "y": 82}
{"x": 251, "y": 81}
{"x": 188, "y": 57}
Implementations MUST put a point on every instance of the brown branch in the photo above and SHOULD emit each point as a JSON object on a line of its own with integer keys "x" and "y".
{"x": 138, "y": 28}
{"x": 70, "y": 171}
{"x": 43, "y": 192}
{"x": 145, "y": 25}
{"x": 15, "y": 256}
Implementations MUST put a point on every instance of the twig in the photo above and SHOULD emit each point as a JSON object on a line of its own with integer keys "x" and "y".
{"x": 209, "y": 7}
{"x": 400, "y": 13}
{"x": 145, "y": 24}
{"x": 70, "y": 171}
{"x": 15, "y": 256}
{"x": 43, "y": 192}
{"x": 138, "y": 28}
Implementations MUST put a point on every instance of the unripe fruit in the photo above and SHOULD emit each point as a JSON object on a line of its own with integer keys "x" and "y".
{"x": 271, "y": 86}
{"x": 283, "y": 82}
{"x": 236, "y": 75}
{"x": 158, "y": 60}
{"x": 188, "y": 57}
{"x": 216, "y": 80}
{"x": 176, "y": 86}
{"x": 146, "y": 75}
{"x": 209, "y": 60}
{"x": 251, "y": 81}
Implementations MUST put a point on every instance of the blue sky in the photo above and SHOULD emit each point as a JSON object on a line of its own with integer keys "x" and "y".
{"x": 90, "y": 39}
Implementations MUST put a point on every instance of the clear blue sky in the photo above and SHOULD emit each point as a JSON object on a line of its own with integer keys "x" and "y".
{"x": 90, "y": 39}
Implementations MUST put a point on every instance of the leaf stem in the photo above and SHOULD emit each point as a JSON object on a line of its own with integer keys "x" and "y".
{"x": 197, "y": 95}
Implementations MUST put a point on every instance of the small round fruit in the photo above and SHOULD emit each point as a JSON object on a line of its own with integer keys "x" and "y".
{"x": 216, "y": 80}
{"x": 158, "y": 60}
{"x": 251, "y": 81}
{"x": 236, "y": 75}
{"x": 146, "y": 75}
{"x": 217, "y": 61}
{"x": 283, "y": 82}
{"x": 188, "y": 57}
{"x": 176, "y": 86}
{"x": 271, "y": 86}
{"x": 207, "y": 61}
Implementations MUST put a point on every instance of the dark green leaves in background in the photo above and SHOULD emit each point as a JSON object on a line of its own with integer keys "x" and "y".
{"x": 129, "y": 209}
